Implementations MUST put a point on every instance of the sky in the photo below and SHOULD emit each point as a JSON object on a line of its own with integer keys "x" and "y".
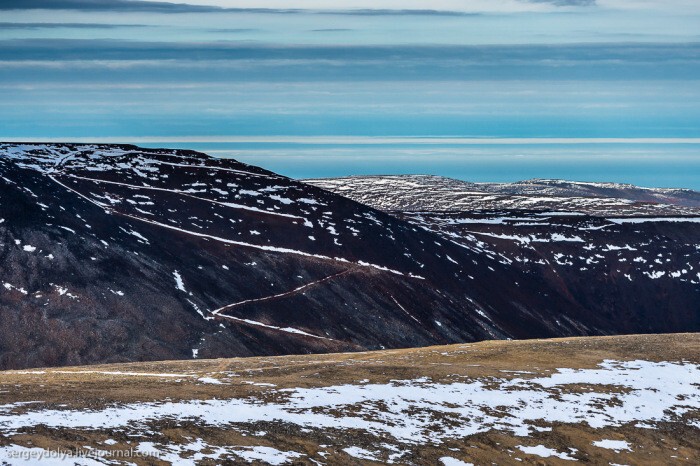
{"x": 482, "y": 90}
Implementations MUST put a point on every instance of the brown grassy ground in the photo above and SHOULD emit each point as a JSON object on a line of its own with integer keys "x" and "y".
{"x": 92, "y": 388}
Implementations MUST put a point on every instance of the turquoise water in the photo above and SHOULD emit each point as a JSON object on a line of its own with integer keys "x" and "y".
{"x": 651, "y": 165}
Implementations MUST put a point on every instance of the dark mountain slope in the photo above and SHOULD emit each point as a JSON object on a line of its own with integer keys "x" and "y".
{"x": 634, "y": 264}
{"x": 116, "y": 253}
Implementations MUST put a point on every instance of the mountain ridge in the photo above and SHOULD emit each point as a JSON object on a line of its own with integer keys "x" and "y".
{"x": 405, "y": 192}
{"x": 118, "y": 253}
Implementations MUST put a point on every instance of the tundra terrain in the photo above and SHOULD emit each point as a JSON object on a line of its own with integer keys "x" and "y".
{"x": 596, "y": 400}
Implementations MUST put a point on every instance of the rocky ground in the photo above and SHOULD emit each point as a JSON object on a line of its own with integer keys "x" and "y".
{"x": 600, "y": 400}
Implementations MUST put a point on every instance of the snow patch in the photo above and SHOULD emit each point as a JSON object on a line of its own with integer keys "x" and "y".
{"x": 617, "y": 445}
{"x": 179, "y": 284}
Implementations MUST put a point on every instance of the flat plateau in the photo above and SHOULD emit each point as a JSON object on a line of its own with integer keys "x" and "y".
{"x": 599, "y": 400}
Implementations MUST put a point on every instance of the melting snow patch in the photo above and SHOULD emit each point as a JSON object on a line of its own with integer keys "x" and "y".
{"x": 62, "y": 291}
{"x": 10, "y": 287}
{"x": 449, "y": 461}
{"x": 136, "y": 234}
{"x": 267, "y": 455}
{"x": 655, "y": 219}
{"x": 16, "y": 454}
{"x": 175, "y": 454}
{"x": 283, "y": 200}
{"x": 655, "y": 274}
{"x": 560, "y": 237}
{"x": 209, "y": 380}
{"x": 273, "y": 327}
{"x": 179, "y": 284}
{"x": 544, "y": 452}
{"x": 357, "y": 452}
{"x": 640, "y": 392}
{"x": 617, "y": 445}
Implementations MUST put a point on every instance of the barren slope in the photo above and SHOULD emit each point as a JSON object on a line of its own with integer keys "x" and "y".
{"x": 632, "y": 257}
{"x": 116, "y": 253}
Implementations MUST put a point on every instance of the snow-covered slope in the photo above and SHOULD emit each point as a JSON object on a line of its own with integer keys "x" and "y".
{"x": 410, "y": 193}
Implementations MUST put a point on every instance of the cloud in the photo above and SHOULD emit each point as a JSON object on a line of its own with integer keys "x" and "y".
{"x": 566, "y": 2}
{"x": 332, "y": 30}
{"x": 168, "y": 7}
{"x": 344, "y": 7}
{"x": 234, "y": 30}
{"x": 679, "y": 6}
{"x": 105, "y": 5}
{"x": 385, "y": 6}
{"x": 94, "y": 60}
{"x": 351, "y": 7}
{"x": 110, "y": 49}
{"x": 421, "y": 7}
{"x": 67, "y": 26}
{"x": 372, "y": 12}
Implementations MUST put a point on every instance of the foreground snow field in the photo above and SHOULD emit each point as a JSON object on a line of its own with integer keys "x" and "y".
{"x": 616, "y": 400}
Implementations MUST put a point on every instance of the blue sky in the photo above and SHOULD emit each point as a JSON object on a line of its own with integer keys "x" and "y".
{"x": 211, "y": 74}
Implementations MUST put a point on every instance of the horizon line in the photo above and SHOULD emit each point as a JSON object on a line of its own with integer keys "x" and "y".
{"x": 357, "y": 140}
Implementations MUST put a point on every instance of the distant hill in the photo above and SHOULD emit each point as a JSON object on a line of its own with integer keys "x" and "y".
{"x": 622, "y": 253}
{"x": 436, "y": 193}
